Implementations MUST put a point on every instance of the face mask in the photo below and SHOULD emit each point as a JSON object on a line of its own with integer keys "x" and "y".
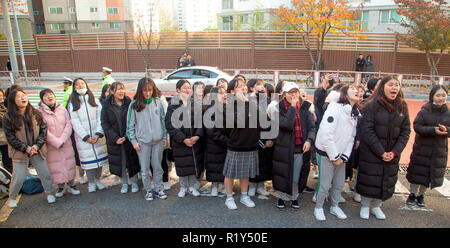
{"x": 81, "y": 92}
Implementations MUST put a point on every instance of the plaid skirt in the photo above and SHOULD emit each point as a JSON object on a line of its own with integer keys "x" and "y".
{"x": 241, "y": 164}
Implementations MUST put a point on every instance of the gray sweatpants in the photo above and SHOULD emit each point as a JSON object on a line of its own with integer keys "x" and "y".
{"x": 94, "y": 174}
{"x": 298, "y": 163}
{"x": 153, "y": 153}
{"x": 189, "y": 181}
{"x": 365, "y": 202}
{"x": 20, "y": 171}
{"x": 329, "y": 174}
{"x": 414, "y": 188}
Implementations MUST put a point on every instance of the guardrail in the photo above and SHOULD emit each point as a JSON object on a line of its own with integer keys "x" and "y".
{"x": 32, "y": 79}
{"x": 411, "y": 83}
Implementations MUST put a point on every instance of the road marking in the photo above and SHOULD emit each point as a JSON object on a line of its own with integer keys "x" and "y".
{"x": 414, "y": 208}
{"x": 444, "y": 189}
{"x": 6, "y": 210}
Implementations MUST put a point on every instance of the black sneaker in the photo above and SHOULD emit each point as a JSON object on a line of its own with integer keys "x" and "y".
{"x": 411, "y": 199}
{"x": 294, "y": 204}
{"x": 420, "y": 201}
{"x": 309, "y": 190}
{"x": 280, "y": 204}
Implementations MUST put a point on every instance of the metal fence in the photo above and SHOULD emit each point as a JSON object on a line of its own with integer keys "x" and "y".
{"x": 32, "y": 79}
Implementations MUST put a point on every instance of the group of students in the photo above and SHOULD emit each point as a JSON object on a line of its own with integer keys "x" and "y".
{"x": 135, "y": 136}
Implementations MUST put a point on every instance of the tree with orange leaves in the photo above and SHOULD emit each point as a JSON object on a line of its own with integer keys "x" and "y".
{"x": 314, "y": 19}
{"x": 428, "y": 25}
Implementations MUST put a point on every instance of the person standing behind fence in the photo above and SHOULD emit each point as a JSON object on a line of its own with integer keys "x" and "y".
{"x": 121, "y": 155}
{"x": 147, "y": 132}
{"x": 369, "y": 66}
{"x": 185, "y": 140}
{"x": 85, "y": 112}
{"x": 189, "y": 61}
{"x": 26, "y": 133}
{"x": 60, "y": 155}
{"x": 430, "y": 149}
{"x": 385, "y": 130}
{"x": 67, "y": 91}
{"x": 360, "y": 62}
{"x": 8, "y": 65}
{"x": 180, "y": 63}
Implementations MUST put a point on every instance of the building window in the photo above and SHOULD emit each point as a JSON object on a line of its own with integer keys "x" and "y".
{"x": 37, "y": 12}
{"x": 57, "y": 26}
{"x": 74, "y": 26}
{"x": 93, "y": 9}
{"x": 227, "y": 4}
{"x": 55, "y": 10}
{"x": 95, "y": 25}
{"x": 114, "y": 25}
{"x": 243, "y": 19}
{"x": 364, "y": 18}
{"x": 40, "y": 28}
{"x": 227, "y": 23}
{"x": 113, "y": 11}
{"x": 259, "y": 18}
{"x": 72, "y": 10}
{"x": 389, "y": 16}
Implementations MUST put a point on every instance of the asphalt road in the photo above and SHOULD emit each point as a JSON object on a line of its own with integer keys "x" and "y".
{"x": 111, "y": 209}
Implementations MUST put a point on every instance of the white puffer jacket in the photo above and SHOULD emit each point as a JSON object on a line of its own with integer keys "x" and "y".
{"x": 86, "y": 123}
{"x": 337, "y": 131}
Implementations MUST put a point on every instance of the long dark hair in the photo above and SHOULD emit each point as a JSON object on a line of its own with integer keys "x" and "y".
{"x": 14, "y": 118}
{"x": 398, "y": 105}
{"x": 75, "y": 97}
{"x": 105, "y": 88}
{"x": 435, "y": 89}
{"x": 139, "y": 104}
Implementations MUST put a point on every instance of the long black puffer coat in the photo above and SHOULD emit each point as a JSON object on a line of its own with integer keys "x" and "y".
{"x": 429, "y": 155}
{"x": 283, "y": 157}
{"x": 216, "y": 150}
{"x": 381, "y": 131}
{"x": 115, "y": 127}
{"x": 188, "y": 160}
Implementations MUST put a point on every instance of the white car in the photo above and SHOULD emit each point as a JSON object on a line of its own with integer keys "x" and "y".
{"x": 206, "y": 74}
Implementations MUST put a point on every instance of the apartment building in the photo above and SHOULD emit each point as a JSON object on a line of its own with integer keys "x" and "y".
{"x": 377, "y": 15}
{"x": 82, "y": 16}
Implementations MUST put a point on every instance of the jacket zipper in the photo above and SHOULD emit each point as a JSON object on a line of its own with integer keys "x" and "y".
{"x": 90, "y": 130}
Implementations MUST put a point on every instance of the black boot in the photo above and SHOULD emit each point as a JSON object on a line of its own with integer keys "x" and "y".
{"x": 420, "y": 201}
{"x": 411, "y": 199}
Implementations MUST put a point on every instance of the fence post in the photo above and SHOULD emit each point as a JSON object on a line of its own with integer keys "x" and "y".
{"x": 395, "y": 54}
{"x": 71, "y": 52}
{"x": 126, "y": 51}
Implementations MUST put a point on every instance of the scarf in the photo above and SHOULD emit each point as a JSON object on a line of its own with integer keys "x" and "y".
{"x": 387, "y": 104}
{"x": 297, "y": 124}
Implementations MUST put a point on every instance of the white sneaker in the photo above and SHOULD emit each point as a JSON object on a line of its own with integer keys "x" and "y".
{"x": 262, "y": 191}
{"x": 182, "y": 192}
{"x": 378, "y": 213}
{"x": 73, "y": 190}
{"x": 229, "y": 202}
{"x": 342, "y": 200}
{"x": 124, "y": 189}
{"x": 251, "y": 190}
{"x": 12, "y": 203}
{"x": 166, "y": 185}
{"x": 357, "y": 197}
{"x": 100, "y": 185}
{"x": 319, "y": 214}
{"x": 214, "y": 190}
{"x": 193, "y": 191}
{"x": 247, "y": 201}
{"x": 91, "y": 187}
{"x": 60, "y": 192}
{"x": 161, "y": 195}
{"x": 51, "y": 199}
{"x": 337, "y": 211}
{"x": 314, "y": 198}
{"x": 364, "y": 213}
{"x": 134, "y": 188}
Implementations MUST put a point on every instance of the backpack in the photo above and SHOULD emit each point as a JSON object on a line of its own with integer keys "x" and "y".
{"x": 5, "y": 180}
{"x": 32, "y": 185}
